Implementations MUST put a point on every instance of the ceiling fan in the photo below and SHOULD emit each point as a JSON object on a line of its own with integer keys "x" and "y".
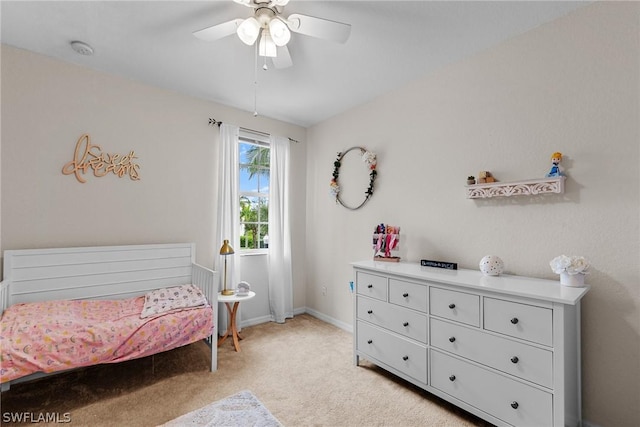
{"x": 274, "y": 30}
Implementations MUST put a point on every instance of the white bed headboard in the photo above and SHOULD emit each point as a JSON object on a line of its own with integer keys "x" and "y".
{"x": 106, "y": 272}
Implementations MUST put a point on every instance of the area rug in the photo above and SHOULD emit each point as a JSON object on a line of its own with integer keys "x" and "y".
{"x": 241, "y": 409}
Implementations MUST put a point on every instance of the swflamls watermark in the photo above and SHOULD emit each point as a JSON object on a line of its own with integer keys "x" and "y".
{"x": 36, "y": 417}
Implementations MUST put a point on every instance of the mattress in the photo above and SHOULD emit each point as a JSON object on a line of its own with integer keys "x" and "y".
{"x": 52, "y": 336}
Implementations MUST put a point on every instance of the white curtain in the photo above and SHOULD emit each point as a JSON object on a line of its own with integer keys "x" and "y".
{"x": 228, "y": 205}
{"x": 280, "y": 275}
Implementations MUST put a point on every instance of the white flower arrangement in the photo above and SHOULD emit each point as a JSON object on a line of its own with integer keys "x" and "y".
{"x": 570, "y": 264}
{"x": 369, "y": 158}
{"x": 334, "y": 189}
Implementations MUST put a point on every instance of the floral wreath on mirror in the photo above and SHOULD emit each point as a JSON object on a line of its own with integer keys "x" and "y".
{"x": 369, "y": 158}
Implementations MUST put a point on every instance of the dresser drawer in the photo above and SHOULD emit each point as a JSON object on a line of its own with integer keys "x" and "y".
{"x": 397, "y": 319}
{"x": 521, "y": 360}
{"x": 454, "y": 305}
{"x": 371, "y": 285}
{"x": 407, "y": 294}
{"x": 406, "y": 356}
{"x": 509, "y": 400}
{"x": 527, "y": 322}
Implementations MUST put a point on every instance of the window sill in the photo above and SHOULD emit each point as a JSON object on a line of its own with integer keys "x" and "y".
{"x": 254, "y": 252}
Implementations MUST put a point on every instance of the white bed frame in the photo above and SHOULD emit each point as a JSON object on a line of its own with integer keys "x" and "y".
{"x": 105, "y": 272}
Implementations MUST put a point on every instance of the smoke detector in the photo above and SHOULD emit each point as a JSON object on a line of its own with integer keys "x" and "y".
{"x": 82, "y": 48}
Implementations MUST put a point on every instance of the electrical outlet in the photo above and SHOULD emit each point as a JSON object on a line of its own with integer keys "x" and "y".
{"x": 324, "y": 291}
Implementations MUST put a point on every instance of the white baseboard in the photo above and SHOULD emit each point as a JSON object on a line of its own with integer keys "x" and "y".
{"x": 330, "y": 320}
{"x": 301, "y": 310}
{"x": 264, "y": 319}
{"x": 586, "y": 423}
{"x": 255, "y": 321}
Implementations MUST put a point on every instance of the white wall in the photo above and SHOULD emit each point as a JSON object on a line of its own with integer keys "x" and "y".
{"x": 570, "y": 86}
{"x": 47, "y": 105}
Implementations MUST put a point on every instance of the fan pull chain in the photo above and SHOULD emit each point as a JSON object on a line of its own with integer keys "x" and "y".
{"x": 255, "y": 83}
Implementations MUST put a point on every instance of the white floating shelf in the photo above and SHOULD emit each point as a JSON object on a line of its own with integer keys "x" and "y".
{"x": 529, "y": 187}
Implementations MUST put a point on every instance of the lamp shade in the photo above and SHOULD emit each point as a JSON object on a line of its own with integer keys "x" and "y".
{"x": 226, "y": 248}
{"x": 279, "y": 32}
{"x": 267, "y": 47}
{"x": 249, "y": 30}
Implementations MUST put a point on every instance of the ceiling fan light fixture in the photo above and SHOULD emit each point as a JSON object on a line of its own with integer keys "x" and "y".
{"x": 249, "y": 31}
{"x": 267, "y": 47}
{"x": 279, "y": 2}
{"x": 280, "y": 33}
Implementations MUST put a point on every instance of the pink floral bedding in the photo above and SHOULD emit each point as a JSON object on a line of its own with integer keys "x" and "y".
{"x": 57, "y": 335}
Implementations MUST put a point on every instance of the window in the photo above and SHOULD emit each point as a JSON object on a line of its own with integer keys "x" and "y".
{"x": 254, "y": 191}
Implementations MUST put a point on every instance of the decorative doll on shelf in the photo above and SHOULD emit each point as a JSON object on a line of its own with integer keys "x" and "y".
{"x": 555, "y": 170}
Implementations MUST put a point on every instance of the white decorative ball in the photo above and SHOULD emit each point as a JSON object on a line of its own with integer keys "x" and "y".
{"x": 491, "y": 265}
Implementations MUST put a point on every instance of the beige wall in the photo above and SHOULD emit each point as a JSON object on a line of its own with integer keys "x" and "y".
{"x": 570, "y": 86}
{"x": 47, "y": 105}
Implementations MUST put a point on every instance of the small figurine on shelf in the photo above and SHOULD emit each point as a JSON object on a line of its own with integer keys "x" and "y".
{"x": 471, "y": 180}
{"x": 485, "y": 177}
{"x": 385, "y": 240}
{"x": 556, "y": 169}
{"x": 243, "y": 289}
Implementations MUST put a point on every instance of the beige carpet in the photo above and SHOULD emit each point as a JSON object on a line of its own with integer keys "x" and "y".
{"x": 302, "y": 371}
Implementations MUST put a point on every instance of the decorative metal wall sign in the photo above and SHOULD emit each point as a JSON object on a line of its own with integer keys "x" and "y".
{"x": 87, "y": 156}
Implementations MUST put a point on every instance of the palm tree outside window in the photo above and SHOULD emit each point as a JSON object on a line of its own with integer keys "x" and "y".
{"x": 254, "y": 164}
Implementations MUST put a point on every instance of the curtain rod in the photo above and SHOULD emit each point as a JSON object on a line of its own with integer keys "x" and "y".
{"x": 213, "y": 122}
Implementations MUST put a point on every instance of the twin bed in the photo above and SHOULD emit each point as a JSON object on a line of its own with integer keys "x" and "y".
{"x": 73, "y": 307}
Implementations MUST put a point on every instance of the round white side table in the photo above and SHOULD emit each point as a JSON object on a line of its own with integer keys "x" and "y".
{"x": 232, "y": 302}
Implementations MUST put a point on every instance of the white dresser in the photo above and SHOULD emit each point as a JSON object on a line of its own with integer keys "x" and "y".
{"x": 505, "y": 348}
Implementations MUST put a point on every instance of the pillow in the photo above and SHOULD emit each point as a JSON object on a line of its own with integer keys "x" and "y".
{"x": 176, "y": 298}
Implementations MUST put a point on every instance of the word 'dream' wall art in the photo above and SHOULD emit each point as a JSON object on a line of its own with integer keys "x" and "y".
{"x": 87, "y": 156}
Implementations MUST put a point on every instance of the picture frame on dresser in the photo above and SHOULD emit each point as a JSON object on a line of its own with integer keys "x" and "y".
{"x": 505, "y": 348}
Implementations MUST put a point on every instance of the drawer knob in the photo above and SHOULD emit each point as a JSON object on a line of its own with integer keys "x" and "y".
{"x": 369, "y": 286}
{"x": 405, "y": 324}
{"x": 514, "y": 320}
{"x": 405, "y": 295}
{"x": 452, "y": 378}
{"x": 369, "y": 341}
{"x": 514, "y": 405}
{"x": 370, "y": 311}
{"x": 452, "y": 306}
{"x": 514, "y": 359}
{"x": 405, "y": 358}
{"x": 452, "y": 339}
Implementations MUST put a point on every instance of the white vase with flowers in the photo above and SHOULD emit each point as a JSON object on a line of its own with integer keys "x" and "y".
{"x": 571, "y": 269}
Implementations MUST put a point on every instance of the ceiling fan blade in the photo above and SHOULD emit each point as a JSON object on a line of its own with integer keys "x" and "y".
{"x": 318, "y": 27}
{"x": 272, "y": 3}
{"x": 247, "y": 3}
{"x": 219, "y": 31}
{"x": 283, "y": 59}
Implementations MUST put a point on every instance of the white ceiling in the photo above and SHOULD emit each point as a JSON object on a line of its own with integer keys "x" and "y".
{"x": 391, "y": 43}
